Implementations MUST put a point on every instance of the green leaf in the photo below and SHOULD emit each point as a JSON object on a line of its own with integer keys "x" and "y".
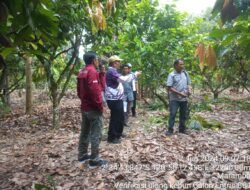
{"x": 38, "y": 52}
{"x": 34, "y": 46}
{"x": 228, "y": 40}
{"x": 7, "y": 51}
{"x": 217, "y": 33}
{"x": 55, "y": 72}
{"x": 223, "y": 51}
{"x": 41, "y": 187}
{"x": 41, "y": 42}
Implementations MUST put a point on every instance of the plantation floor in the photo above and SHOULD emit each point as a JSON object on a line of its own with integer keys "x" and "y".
{"x": 31, "y": 152}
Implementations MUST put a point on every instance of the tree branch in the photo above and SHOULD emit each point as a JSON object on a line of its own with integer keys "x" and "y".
{"x": 162, "y": 99}
{"x": 75, "y": 46}
{"x": 14, "y": 86}
{"x": 73, "y": 60}
{"x": 65, "y": 70}
{"x": 66, "y": 83}
{"x": 49, "y": 76}
{"x": 2, "y": 77}
{"x": 245, "y": 87}
{"x": 64, "y": 51}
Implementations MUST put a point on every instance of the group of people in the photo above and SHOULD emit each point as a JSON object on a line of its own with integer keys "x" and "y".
{"x": 118, "y": 91}
{"x": 96, "y": 89}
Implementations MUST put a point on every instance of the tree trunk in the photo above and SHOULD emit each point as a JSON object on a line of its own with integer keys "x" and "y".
{"x": 216, "y": 95}
{"x": 7, "y": 87}
{"x": 56, "y": 113}
{"x": 4, "y": 82}
{"x": 28, "y": 72}
{"x": 6, "y": 94}
{"x": 163, "y": 99}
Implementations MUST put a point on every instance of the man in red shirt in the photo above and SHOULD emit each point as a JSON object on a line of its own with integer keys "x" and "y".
{"x": 89, "y": 91}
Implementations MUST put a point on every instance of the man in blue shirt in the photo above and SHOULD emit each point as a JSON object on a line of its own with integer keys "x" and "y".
{"x": 128, "y": 94}
{"x": 178, "y": 84}
{"x": 134, "y": 86}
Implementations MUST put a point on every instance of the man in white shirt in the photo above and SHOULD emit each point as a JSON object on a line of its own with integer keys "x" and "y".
{"x": 134, "y": 82}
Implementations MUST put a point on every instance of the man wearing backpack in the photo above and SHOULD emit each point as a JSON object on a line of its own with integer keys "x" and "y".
{"x": 178, "y": 84}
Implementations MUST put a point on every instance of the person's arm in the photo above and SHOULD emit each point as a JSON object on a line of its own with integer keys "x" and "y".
{"x": 189, "y": 92}
{"x": 188, "y": 84}
{"x": 95, "y": 90}
{"x": 79, "y": 85}
{"x": 170, "y": 88}
{"x": 128, "y": 78}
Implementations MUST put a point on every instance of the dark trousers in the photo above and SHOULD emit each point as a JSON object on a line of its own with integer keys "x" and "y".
{"x": 173, "y": 108}
{"x": 134, "y": 104}
{"x": 91, "y": 131}
{"x": 116, "y": 121}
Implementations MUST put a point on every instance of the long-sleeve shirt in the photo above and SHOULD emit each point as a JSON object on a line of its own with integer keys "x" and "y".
{"x": 89, "y": 89}
{"x": 114, "y": 80}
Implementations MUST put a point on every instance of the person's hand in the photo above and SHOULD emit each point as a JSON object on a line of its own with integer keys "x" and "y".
{"x": 190, "y": 88}
{"x": 137, "y": 73}
{"x": 183, "y": 94}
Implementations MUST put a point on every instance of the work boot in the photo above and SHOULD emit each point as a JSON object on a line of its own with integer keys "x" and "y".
{"x": 96, "y": 163}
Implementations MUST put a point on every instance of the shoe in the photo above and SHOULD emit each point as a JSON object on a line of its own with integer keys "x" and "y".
{"x": 185, "y": 132}
{"x": 115, "y": 141}
{"x": 97, "y": 163}
{"x": 84, "y": 158}
{"x": 126, "y": 125}
{"x": 169, "y": 133}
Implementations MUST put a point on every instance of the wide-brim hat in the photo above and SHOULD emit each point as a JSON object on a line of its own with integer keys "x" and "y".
{"x": 114, "y": 58}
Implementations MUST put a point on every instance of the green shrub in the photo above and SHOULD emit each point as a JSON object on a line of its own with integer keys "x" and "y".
{"x": 198, "y": 122}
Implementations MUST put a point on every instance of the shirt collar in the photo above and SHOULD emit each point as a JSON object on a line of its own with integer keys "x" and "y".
{"x": 90, "y": 66}
{"x": 175, "y": 72}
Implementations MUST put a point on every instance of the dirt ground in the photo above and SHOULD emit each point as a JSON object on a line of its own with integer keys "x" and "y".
{"x": 31, "y": 152}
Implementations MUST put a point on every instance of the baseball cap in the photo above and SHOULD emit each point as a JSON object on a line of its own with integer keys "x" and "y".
{"x": 114, "y": 58}
{"x": 129, "y": 65}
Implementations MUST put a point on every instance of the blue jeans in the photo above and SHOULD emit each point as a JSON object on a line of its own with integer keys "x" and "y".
{"x": 173, "y": 108}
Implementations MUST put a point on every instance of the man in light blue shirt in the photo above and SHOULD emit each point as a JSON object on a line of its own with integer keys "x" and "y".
{"x": 128, "y": 95}
{"x": 178, "y": 84}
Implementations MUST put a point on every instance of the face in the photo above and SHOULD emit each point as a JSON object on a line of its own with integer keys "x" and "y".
{"x": 117, "y": 64}
{"x": 125, "y": 70}
{"x": 102, "y": 68}
{"x": 180, "y": 66}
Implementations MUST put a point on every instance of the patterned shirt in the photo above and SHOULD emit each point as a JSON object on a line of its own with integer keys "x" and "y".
{"x": 180, "y": 82}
